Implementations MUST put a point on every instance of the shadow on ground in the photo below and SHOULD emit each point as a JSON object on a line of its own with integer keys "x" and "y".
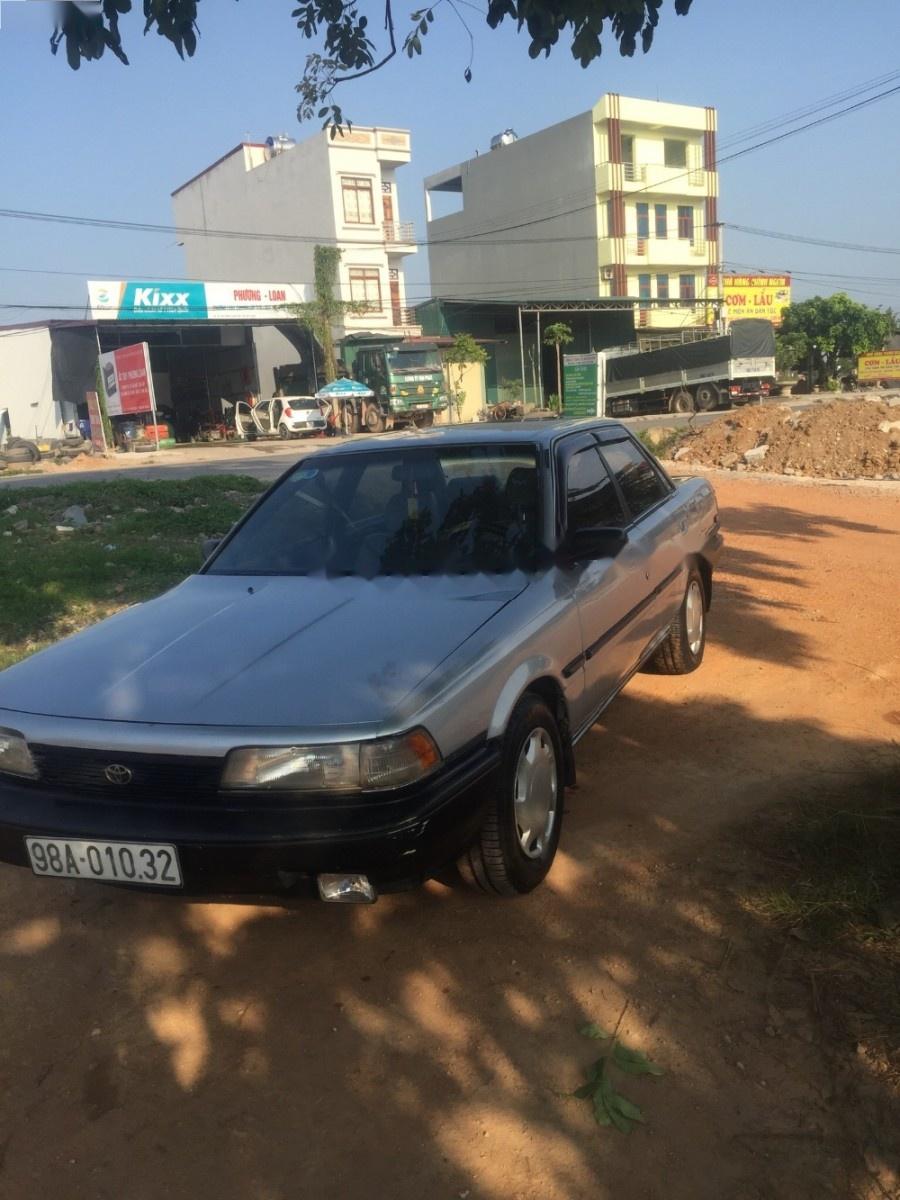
{"x": 423, "y": 1047}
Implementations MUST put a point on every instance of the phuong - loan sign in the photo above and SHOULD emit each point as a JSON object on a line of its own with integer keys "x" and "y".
{"x": 756, "y": 296}
{"x": 192, "y": 300}
{"x": 880, "y": 364}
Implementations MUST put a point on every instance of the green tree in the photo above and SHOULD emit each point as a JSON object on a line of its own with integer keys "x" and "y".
{"x": 465, "y": 352}
{"x": 558, "y": 335}
{"x": 322, "y": 314}
{"x": 791, "y": 352}
{"x": 348, "y": 51}
{"x": 835, "y": 327}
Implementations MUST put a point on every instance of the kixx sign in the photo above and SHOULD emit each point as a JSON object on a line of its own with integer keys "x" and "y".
{"x": 192, "y": 300}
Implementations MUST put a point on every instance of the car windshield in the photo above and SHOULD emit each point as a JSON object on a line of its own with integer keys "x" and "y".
{"x": 439, "y": 510}
{"x": 414, "y": 360}
{"x": 300, "y": 403}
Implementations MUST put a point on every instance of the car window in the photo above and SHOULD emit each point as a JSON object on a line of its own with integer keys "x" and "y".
{"x": 439, "y": 510}
{"x": 591, "y": 499}
{"x": 641, "y": 484}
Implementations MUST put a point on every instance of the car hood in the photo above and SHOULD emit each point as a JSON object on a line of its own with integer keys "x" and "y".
{"x": 261, "y": 651}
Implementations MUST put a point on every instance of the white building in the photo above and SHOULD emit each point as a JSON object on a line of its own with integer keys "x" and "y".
{"x": 339, "y": 191}
{"x": 620, "y": 201}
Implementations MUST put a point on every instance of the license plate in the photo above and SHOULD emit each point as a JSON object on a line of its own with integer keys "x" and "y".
{"x": 116, "y": 862}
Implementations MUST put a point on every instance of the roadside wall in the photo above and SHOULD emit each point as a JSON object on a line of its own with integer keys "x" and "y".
{"x": 26, "y": 383}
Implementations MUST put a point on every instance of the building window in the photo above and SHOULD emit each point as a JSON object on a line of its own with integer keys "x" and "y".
{"x": 628, "y": 149}
{"x": 365, "y": 287}
{"x": 675, "y": 152}
{"x": 661, "y": 214}
{"x": 359, "y": 208}
{"x": 687, "y": 287}
{"x": 662, "y": 290}
{"x": 643, "y": 220}
{"x": 644, "y": 290}
{"x": 686, "y": 221}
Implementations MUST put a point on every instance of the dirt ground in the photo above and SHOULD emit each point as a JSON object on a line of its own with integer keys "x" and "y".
{"x": 840, "y": 439}
{"x": 423, "y": 1047}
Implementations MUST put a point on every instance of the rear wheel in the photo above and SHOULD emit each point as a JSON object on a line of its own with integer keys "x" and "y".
{"x": 681, "y": 402}
{"x": 682, "y": 650}
{"x": 374, "y": 420}
{"x": 707, "y": 396}
{"x": 283, "y": 432}
{"x": 518, "y": 840}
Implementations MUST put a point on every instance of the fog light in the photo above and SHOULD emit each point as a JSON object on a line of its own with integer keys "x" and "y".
{"x": 346, "y": 889}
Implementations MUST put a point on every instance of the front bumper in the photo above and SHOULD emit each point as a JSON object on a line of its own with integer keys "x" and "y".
{"x": 256, "y": 846}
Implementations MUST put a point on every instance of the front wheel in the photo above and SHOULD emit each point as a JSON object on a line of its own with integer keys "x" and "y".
{"x": 682, "y": 650}
{"x": 518, "y": 840}
{"x": 682, "y": 402}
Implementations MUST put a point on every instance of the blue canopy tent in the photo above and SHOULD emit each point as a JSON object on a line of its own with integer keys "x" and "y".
{"x": 348, "y": 400}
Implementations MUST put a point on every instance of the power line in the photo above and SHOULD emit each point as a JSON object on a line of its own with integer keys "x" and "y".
{"x": 812, "y": 241}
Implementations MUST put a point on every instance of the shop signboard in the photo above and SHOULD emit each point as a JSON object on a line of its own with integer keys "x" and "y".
{"x": 95, "y": 416}
{"x": 128, "y": 382}
{"x": 880, "y": 364}
{"x": 756, "y": 296}
{"x": 192, "y": 300}
{"x": 580, "y": 380}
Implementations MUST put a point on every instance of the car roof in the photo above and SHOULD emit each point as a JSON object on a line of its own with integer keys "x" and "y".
{"x": 481, "y": 433}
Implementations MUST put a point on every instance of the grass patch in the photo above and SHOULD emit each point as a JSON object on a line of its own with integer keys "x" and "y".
{"x": 143, "y": 537}
{"x": 660, "y": 442}
{"x": 830, "y": 867}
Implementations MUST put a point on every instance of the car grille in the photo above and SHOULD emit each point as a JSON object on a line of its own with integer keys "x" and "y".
{"x": 156, "y": 779}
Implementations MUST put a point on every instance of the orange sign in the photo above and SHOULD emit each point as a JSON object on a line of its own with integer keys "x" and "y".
{"x": 756, "y": 296}
{"x": 881, "y": 364}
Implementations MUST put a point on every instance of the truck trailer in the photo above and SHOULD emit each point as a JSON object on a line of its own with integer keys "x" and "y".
{"x": 712, "y": 372}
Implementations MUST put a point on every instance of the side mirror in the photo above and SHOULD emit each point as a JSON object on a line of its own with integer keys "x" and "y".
{"x": 584, "y": 545}
{"x": 208, "y": 546}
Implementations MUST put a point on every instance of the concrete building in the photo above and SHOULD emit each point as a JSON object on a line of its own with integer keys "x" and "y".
{"x": 339, "y": 191}
{"x": 618, "y": 202}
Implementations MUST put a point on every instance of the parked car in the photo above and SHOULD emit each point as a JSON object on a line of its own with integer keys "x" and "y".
{"x": 282, "y": 416}
{"x": 427, "y": 623}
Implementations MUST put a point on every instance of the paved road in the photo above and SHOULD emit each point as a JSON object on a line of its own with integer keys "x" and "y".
{"x": 266, "y": 461}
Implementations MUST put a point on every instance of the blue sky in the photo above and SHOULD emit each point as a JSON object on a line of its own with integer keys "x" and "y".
{"x": 113, "y": 141}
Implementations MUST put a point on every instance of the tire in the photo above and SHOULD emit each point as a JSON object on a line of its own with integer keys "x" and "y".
{"x": 507, "y": 859}
{"x": 425, "y": 421}
{"x": 707, "y": 396}
{"x": 681, "y": 402}
{"x": 374, "y": 421}
{"x": 682, "y": 650}
{"x": 25, "y": 452}
{"x": 283, "y": 432}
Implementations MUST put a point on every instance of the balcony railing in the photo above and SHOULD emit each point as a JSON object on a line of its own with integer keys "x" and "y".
{"x": 642, "y": 247}
{"x": 634, "y": 172}
{"x": 402, "y": 232}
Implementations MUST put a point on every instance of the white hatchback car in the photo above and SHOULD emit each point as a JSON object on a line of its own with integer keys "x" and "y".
{"x": 286, "y": 416}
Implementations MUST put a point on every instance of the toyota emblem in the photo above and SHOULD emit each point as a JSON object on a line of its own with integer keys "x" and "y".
{"x": 119, "y": 774}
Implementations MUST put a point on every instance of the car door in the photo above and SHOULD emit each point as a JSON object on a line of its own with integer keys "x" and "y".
{"x": 605, "y": 589}
{"x": 262, "y": 416}
{"x": 655, "y": 550}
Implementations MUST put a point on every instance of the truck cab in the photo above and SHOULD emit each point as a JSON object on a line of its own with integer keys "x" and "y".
{"x": 406, "y": 376}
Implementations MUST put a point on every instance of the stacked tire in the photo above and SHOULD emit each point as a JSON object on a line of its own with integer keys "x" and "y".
{"x": 19, "y": 452}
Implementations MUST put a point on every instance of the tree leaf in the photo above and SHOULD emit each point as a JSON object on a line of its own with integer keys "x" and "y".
{"x": 602, "y": 1114}
{"x": 634, "y": 1062}
{"x": 621, "y": 1123}
{"x": 586, "y": 1090}
{"x": 593, "y": 1030}
{"x": 625, "y": 1107}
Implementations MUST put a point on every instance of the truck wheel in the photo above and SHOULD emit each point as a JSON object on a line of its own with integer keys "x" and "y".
{"x": 681, "y": 402}
{"x": 425, "y": 421}
{"x": 682, "y": 650}
{"x": 374, "y": 420}
{"x": 520, "y": 834}
{"x": 707, "y": 396}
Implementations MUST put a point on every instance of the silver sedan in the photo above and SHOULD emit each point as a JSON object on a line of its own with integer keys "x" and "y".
{"x": 379, "y": 675}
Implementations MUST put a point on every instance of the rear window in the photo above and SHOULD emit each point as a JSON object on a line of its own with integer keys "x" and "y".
{"x": 641, "y": 484}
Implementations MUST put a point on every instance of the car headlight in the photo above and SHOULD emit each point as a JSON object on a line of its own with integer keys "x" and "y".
{"x": 15, "y": 757}
{"x": 346, "y": 767}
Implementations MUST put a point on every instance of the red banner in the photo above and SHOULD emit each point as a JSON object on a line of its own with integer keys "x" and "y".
{"x": 95, "y": 416}
{"x": 127, "y": 380}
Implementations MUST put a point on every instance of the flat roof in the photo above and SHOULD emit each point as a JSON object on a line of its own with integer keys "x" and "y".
{"x": 212, "y": 166}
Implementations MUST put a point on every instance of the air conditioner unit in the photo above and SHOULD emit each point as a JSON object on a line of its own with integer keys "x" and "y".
{"x": 607, "y": 273}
